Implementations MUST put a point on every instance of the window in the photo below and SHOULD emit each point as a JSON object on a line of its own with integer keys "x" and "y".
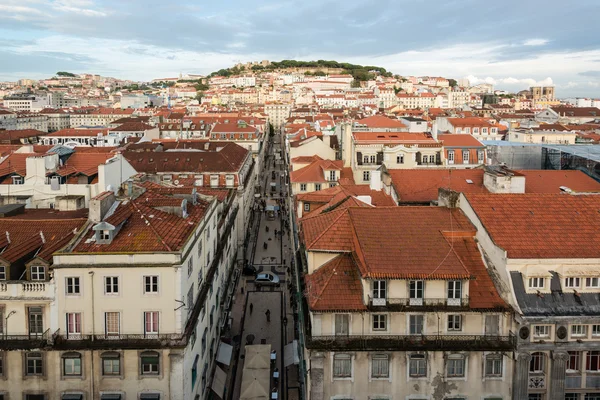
{"x": 595, "y": 330}
{"x": 105, "y": 235}
{"x": 342, "y": 366}
{"x": 190, "y": 299}
{"x": 571, "y": 396}
{"x": 199, "y": 249}
{"x": 592, "y": 282}
{"x": 380, "y": 366}
{"x": 111, "y": 285}
{"x": 17, "y": 180}
{"x": 450, "y": 156}
{"x": 342, "y": 324}
{"x": 400, "y": 159}
{"x": 73, "y": 324}
{"x": 455, "y": 366}
{"x": 465, "y": 155}
{"x": 195, "y": 371}
{"x": 416, "y": 289}
{"x": 200, "y": 277}
{"x": 111, "y": 363}
{"x": 454, "y": 289}
{"x": 536, "y": 365}
{"x": 2, "y": 273}
{"x": 150, "y": 363}
{"x": 151, "y": 284}
{"x": 379, "y": 322}
{"x": 36, "y": 321}
{"x": 151, "y": 322}
{"x": 372, "y": 159}
{"x": 536, "y": 283}
{"x": 534, "y": 396}
{"x": 73, "y": 287}
{"x": 416, "y": 324}
{"x": 454, "y": 322}
{"x": 303, "y": 187}
{"x": 379, "y": 289}
{"x": 480, "y": 156}
{"x": 493, "y": 365}
{"x": 574, "y": 361}
{"x": 71, "y": 364}
{"x": 34, "y": 364}
{"x": 37, "y": 273}
{"x": 1, "y": 364}
{"x": 578, "y": 330}
{"x": 190, "y": 267}
{"x": 592, "y": 361}
{"x": 365, "y": 159}
{"x": 366, "y": 175}
{"x": 332, "y": 175}
{"x": 417, "y": 365}
{"x": 112, "y": 322}
{"x": 541, "y": 331}
{"x": 431, "y": 159}
{"x": 306, "y": 206}
{"x": 317, "y": 186}
{"x": 572, "y": 282}
{"x": 203, "y": 343}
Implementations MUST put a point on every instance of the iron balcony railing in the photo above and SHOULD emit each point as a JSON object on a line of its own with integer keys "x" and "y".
{"x": 127, "y": 341}
{"x": 400, "y": 304}
{"x": 29, "y": 341}
{"x": 412, "y": 342}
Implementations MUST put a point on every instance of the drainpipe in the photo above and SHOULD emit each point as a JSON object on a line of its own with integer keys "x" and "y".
{"x": 93, "y": 376}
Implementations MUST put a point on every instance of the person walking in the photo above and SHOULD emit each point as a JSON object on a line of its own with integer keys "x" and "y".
{"x": 268, "y": 314}
{"x": 251, "y": 307}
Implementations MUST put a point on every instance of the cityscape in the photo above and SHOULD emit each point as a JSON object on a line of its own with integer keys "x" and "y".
{"x": 340, "y": 227}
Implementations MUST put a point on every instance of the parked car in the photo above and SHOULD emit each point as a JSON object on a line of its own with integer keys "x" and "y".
{"x": 266, "y": 278}
{"x": 249, "y": 270}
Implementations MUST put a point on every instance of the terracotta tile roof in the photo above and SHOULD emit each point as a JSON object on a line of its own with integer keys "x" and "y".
{"x": 315, "y": 172}
{"x": 38, "y": 233}
{"x": 15, "y": 163}
{"x": 335, "y": 286}
{"x": 346, "y": 176}
{"x": 421, "y": 185}
{"x": 233, "y": 128}
{"x": 380, "y": 121}
{"x": 228, "y": 157}
{"x": 589, "y": 112}
{"x": 459, "y": 140}
{"x": 392, "y": 137}
{"x": 305, "y": 159}
{"x": 16, "y": 135}
{"x": 550, "y": 181}
{"x": 343, "y": 196}
{"x": 469, "y": 122}
{"x": 132, "y": 126}
{"x": 545, "y": 226}
{"x": 145, "y": 228}
{"x": 83, "y": 163}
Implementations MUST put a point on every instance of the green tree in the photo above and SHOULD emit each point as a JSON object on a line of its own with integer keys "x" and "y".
{"x": 63, "y": 73}
{"x": 452, "y": 82}
{"x": 199, "y": 96}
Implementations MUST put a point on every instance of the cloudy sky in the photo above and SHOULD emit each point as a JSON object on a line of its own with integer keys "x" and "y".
{"x": 510, "y": 43}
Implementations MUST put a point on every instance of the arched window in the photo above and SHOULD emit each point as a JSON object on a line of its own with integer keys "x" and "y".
{"x": 71, "y": 363}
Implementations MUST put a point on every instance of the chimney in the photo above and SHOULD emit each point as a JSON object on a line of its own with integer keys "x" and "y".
{"x": 100, "y": 205}
{"x": 375, "y": 181}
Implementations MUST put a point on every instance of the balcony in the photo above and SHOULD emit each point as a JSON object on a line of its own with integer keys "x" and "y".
{"x": 424, "y": 304}
{"x": 27, "y": 290}
{"x": 120, "y": 341}
{"x": 412, "y": 343}
{"x": 24, "y": 342}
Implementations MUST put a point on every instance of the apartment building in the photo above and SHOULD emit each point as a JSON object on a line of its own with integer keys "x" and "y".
{"x": 389, "y": 320}
{"x": 8, "y": 119}
{"x": 547, "y": 261}
{"x": 27, "y": 120}
{"x": 480, "y": 128}
{"x": 98, "y": 116}
{"x": 277, "y": 114}
{"x": 463, "y": 151}
{"x": 27, "y": 102}
{"x": 57, "y": 119}
{"x": 318, "y": 175}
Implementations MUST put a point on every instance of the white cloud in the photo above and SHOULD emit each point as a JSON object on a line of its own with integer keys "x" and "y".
{"x": 535, "y": 42}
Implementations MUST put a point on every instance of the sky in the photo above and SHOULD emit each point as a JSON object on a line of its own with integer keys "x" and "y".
{"x": 512, "y": 44}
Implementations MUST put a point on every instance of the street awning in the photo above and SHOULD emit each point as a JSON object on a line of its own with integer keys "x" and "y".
{"x": 149, "y": 396}
{"x": 224, "y": 353}
{"x": 255, "y": 384}
{"x": 110, "y": 396}
{"x": 72, "y": 396}
{"x": 218, "y": 383}
{"x": 257, "y": 356}
{"x": 290, "y": 354}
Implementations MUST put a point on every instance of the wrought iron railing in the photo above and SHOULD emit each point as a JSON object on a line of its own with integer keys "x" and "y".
{"x": 411, "y": 342}
{"x": 31, "y": 340}
{"x": 403, "y": 303}
{"x": 62, "y": 340}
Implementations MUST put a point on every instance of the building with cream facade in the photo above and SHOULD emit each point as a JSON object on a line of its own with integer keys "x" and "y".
{"x": 403, "y": 324}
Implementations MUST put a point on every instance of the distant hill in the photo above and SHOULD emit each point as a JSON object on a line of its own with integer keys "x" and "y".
{"x": 359, "y": 72}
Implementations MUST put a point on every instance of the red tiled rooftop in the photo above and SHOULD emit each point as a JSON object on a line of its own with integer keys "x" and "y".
{"x": 315, "y": 172}
{"x": 550, "y": 181}
{"x": 545, "y": 226}
{"x": 459, "y": 140}
{"x": 380, "y": 121}
{"x": 392, "y": 137}
{"x": 421, "y": 185}
{"x": 72, "y": 132}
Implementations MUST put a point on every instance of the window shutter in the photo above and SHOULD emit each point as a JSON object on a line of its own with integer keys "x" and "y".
{"x": 418, "y": 158}
{"x": 438, "y": 158}
{"x": 359, "y": 158}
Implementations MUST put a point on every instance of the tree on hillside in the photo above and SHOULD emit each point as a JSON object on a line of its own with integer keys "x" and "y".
{"x": 63, "y": 73}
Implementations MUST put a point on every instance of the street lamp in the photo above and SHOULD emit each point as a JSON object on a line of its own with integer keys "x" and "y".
{"x": 6, "y": 323}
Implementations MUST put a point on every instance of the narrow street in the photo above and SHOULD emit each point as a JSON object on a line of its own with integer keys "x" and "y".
{"x": 269, "y": 250}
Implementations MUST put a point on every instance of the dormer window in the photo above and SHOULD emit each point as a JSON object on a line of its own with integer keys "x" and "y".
{"x": 37, "y": 273}
{"x": 17, "y": 180}
{"x": 536, "y": 283}
{"x": 572, "y": 283}
{"x": 454, "y": 293}
{"x": 105, "y": 233}
{"x": 332, "y": 175}
{"x": 2, "y": 273}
